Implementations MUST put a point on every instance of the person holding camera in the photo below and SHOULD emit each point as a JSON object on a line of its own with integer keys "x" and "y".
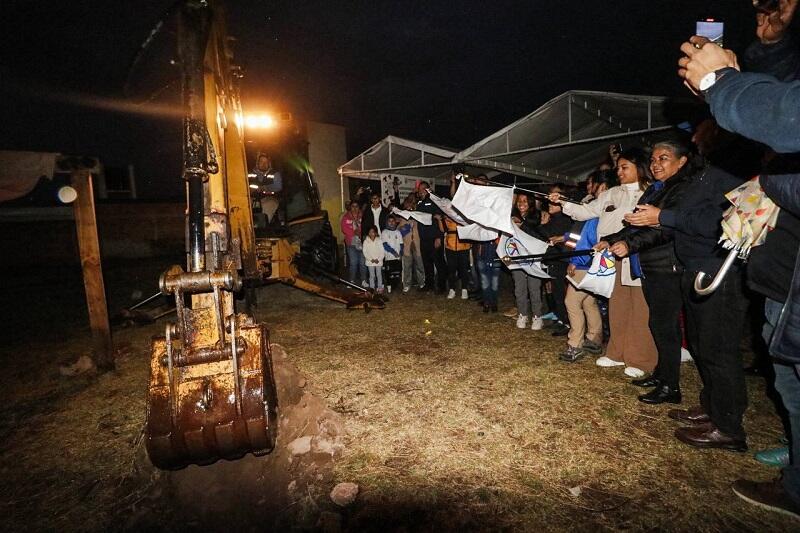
{"x": 765, "y": 109}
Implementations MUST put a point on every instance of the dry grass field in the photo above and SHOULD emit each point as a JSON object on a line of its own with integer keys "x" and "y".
{"x": 456, "y": 421}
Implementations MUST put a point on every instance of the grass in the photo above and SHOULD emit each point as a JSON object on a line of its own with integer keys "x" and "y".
{"x": 455, "y": 420}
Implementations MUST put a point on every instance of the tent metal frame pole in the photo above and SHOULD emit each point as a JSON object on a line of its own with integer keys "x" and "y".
{"x": 570, "y": 101}
{"x": 575, "y": 143}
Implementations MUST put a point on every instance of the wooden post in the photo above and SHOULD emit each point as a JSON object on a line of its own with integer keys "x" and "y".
{"x": 89, "y": 247}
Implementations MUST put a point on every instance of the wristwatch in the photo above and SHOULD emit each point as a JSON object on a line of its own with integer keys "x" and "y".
{"x": 708, "y": 81}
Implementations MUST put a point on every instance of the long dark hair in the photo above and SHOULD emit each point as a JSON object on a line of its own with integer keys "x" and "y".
{"x": 641, "y": 159}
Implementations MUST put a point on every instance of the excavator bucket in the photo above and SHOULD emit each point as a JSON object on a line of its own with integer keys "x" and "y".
{"x": 207, "y": 406}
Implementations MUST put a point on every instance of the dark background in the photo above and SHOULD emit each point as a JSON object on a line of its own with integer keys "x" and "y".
{"x": 447, "y": 73}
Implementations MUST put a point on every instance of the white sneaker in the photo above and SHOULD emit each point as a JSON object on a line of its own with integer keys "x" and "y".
{"x": 406, "y": 289}
{"x": 365, "y": 284}
{"x": 608, "y": 362}
{"x": 522, "y": 322}
{"x": 451, "y": 294}
{"x": 686, "y": 356}
{"x": 389, "y": 289}
{"x": 634, "y": 372}
{"x": 464, "y": 294}
{"x": 537, "y": 323}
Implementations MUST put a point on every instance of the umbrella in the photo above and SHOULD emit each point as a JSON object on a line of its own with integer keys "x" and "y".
{"x": 746, "y": 223}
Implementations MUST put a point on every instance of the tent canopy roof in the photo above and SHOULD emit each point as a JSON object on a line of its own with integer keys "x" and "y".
{"x": 562, "y": 140}
{"x": 400, "y": 156}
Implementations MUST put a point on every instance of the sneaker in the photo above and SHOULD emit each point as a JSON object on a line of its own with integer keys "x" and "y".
{"x": 774, "y": 457}
{"x": 571, "y": 355}
{"x": 592, "y": 347}
{"x": 365, "y": 284}
{"x": 537, "y": 323}
{"x": 389, "y": 289}
{"x": 634, "y": 372}
{"x": 560, "y": 329}
{"x": 608, "y": 362}
{"x": 406, "y": 289}
{"x": 550, "y": 316}
{"x": 769, "y": 495}
{"x": 464, "y": 294}
{"x": 522, "y": 322}
{"x": 451, "y": 294}
{"x": 511, "y": 313}
{"x": 685, "y": 355}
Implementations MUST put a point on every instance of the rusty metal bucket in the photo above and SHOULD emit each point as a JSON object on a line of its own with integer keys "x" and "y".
{"x": 205, "y": 406}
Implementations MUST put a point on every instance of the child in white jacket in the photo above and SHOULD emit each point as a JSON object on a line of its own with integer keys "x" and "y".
{"x": 373, "y": 257}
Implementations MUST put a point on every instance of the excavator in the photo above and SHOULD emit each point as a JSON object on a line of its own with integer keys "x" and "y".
{"x": 212, "y": 391}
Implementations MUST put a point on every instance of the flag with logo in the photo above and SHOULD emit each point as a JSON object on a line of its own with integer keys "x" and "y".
{"x": 520, "y": 243}
{"x": 599, "y": 279}
{"x": 488, "y": 206}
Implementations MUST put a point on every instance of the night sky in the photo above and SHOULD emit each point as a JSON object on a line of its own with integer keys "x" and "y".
{"x": 448, "y": 73}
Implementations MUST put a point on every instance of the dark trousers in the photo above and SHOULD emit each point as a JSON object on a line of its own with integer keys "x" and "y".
{"x": 714, "y": 326}
{"x": 663, "y": 295}
{"x": 433, "y": 262}
{"x": 392, "y": 270}
{"x": 457, "y": 268}
{"x": 475, "y": 275}
{"x": 558, "y": 271}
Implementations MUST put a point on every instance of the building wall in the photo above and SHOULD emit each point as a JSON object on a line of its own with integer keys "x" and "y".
{"x": 327, "y": 150}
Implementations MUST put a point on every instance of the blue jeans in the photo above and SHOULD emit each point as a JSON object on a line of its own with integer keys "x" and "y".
{"x": 355, "y": 265}
{"x": 375, "y": 277}
{"x": 787, "y": 383}
{"x": 490, "y": 280}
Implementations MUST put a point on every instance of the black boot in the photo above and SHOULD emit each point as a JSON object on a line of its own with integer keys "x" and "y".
{"x": 662, "y": 394}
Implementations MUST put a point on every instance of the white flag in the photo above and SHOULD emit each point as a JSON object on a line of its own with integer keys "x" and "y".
{"x": 488, "y": 206}
{"x": 520, "y": 243}
{"x": 447, "y": 208}
{"x": 422, "y": 218}
{"x": 476, "y": 232}
{"x": 599, "y": 279}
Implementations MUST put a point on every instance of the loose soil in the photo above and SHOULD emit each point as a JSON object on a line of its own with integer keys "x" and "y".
{"x": 445, "y": 417}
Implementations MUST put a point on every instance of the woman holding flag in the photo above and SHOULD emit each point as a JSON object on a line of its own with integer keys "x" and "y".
{"x": 631, "y": 345}
{"x": 659, "y": 269}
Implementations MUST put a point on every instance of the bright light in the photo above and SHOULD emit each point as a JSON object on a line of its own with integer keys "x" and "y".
{"x": 259, "y": 122}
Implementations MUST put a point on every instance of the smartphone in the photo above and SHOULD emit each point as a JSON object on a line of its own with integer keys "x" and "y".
{"x": 711, "y": 29}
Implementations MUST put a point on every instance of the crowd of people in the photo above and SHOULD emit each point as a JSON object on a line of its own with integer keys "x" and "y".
{"x": 658, "y": 210}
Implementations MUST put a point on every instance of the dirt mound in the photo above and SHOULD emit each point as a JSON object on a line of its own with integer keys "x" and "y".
{"x": 285, "y": 489}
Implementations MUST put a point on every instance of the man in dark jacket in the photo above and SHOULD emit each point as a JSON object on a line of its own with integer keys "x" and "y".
{"x": 431, "y": 245}
{"x": 373, "y": 215}
{"x": 762, "y": 108}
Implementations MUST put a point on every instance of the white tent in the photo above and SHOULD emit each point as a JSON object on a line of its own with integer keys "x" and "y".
{"x": 561, "y": 141}
{"x": 396, "y": 155}
{"x": 569, "y": 136}
{"x": 395, "y": 158}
